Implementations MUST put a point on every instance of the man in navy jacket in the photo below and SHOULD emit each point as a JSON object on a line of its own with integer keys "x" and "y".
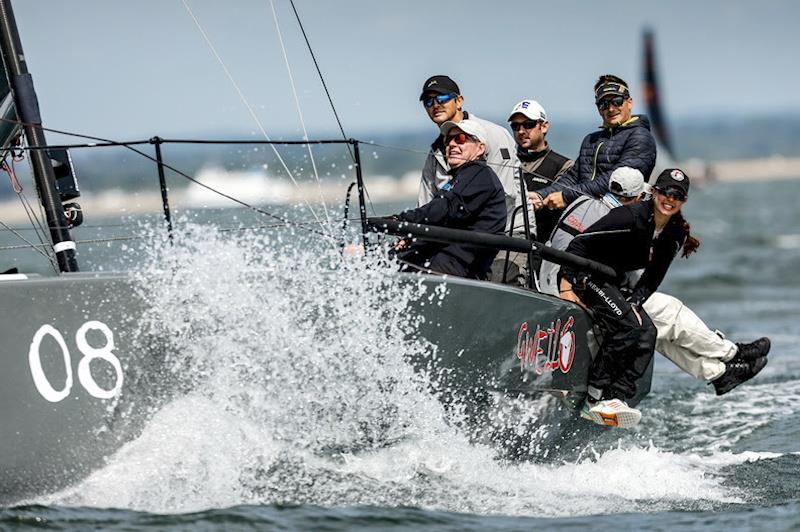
{"x": 623, "y": 140}
{"x": 474, "y": 200}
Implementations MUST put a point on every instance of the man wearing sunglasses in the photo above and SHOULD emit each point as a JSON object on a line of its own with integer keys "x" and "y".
{"x": 442, "y": 100}
{"x": 541, "y": 166}
{"x": 623, "y": 140}
{"x": 473, "y": 199}
{"x": 681, "y": 335}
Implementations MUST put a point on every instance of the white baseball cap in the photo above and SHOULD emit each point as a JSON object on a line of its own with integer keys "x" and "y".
{"x": 470, "y": 127}
{"x": 530, "y": 108}
{"x": 626, "y": 182}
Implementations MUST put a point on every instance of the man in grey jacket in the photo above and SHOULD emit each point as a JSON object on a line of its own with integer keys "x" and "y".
{"x": 540, "y": 166}
{"x": 441, "y": 97}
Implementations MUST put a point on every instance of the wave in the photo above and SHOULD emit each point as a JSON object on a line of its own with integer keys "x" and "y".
{"x": 291, "y": 385}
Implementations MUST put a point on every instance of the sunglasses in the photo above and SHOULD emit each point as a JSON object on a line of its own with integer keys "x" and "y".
{"x": 616, "y": 101}
{"x": 527, "y": 124}
{"x": 441, "y": 99}
{"x": 459, "y": 138}
{"x": 673, "y": 192}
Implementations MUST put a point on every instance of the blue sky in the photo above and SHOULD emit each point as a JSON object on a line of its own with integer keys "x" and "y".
{"x": 131, "y": 69}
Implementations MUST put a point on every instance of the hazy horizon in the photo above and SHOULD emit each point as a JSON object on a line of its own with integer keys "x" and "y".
{"x": 122, "y": 69}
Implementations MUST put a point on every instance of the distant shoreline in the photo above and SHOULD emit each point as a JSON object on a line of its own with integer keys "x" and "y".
{"x": 762, "y": 169}
{"x": 116, "y": 201}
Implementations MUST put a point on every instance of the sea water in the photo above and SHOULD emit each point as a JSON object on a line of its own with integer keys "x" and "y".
{"x": 296, "y": 407}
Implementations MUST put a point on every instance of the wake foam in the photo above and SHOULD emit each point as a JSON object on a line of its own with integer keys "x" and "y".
{"x": 292, "y": 386}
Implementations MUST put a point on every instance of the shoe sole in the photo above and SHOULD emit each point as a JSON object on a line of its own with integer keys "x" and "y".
{"x": 623, "y": 419}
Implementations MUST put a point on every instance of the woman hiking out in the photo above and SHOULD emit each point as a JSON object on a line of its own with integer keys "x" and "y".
{"x": 648, "y": 235}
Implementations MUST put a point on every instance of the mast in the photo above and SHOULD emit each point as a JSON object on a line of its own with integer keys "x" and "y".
{"x": 28, "y": 111}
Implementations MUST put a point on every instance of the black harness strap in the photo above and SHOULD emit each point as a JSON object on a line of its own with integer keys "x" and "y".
{"x": 545, "y": 174}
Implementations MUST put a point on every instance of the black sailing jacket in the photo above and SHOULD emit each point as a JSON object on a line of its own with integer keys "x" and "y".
{"x": 476, "y": 202}
{"x": 623, "y": 239}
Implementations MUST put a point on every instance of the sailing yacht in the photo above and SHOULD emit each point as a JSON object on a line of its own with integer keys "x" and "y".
{"x": 80, "y": 376}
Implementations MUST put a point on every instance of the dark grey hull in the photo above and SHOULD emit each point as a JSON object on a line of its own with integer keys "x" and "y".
{"x": 505, "y": 350}
{"x": 56, "y": 422}
{"x": 498, "y": 337}
{"x": 66, "y": 405}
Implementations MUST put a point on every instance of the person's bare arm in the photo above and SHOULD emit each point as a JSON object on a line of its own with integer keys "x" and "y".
{"x": 565, "y": 292}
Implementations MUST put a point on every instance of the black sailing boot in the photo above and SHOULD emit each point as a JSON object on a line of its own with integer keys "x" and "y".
{"x": 737, "y": 372}
{"x": 752, "y": 351}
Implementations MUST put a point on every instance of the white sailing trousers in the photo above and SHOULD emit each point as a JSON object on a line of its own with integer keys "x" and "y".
{"x": 686, "y": 340}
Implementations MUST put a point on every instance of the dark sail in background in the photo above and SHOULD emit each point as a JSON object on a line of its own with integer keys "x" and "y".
{"x": 651, "y": 95}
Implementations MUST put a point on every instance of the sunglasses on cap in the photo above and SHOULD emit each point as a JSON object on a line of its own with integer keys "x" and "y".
{"x": 616, "y": 101}
{"x": 672, "y": 192}
{"x": 459, "y": 138}
{"x": 527, "y": 124}
{"x": 441, "y": 99}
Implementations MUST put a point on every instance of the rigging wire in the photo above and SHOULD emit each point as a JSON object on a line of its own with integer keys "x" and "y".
{"x": 30, "y": 245}
{"x": 30, "y": 212}
{"x": 327, "y": 92}
{"x": 128, "y": 144}
{"x": 319, "y": 73}
{"x": 246, "y": 103}
{"x": 35, "y": 247}
{"x": 299, "y": 110}
{"x": 180, "y": 173}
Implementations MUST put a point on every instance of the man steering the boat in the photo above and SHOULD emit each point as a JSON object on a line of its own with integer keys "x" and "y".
{"x": 681, "y": 335}
{"x": 623, "y": 140}
{"x": 443, "y": 102}
{"x": 472, "y": 199}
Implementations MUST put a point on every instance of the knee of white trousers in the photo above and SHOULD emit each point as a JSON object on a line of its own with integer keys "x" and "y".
{"x": 699, "y": 367}
{"x": 662, "y": 309}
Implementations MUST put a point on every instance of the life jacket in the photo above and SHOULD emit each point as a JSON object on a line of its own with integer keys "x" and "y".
{"x": 577, "y": 217}
{"x": 545, "y": 174}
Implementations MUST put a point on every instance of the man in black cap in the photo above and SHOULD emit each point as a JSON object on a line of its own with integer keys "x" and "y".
{"x": 623, "y": 140}
{"x": 441, "y": 97}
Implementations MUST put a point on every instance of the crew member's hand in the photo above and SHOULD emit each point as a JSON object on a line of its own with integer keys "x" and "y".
{"x": 569, "y": 295}
{"x": 565, "y": 292}
{"x": 401, "y": 244}
{"x": 353, "y": 250}
{"x": 555, "y": 200}
{"x": 536, "y": 200}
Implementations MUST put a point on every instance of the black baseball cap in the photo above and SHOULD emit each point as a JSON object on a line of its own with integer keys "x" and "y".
{"x": 439, "y": 85}
{"x": 673, "y": 177}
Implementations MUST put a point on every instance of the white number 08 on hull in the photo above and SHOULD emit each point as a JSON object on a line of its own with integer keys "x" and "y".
{"x": 90, "y": 353}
